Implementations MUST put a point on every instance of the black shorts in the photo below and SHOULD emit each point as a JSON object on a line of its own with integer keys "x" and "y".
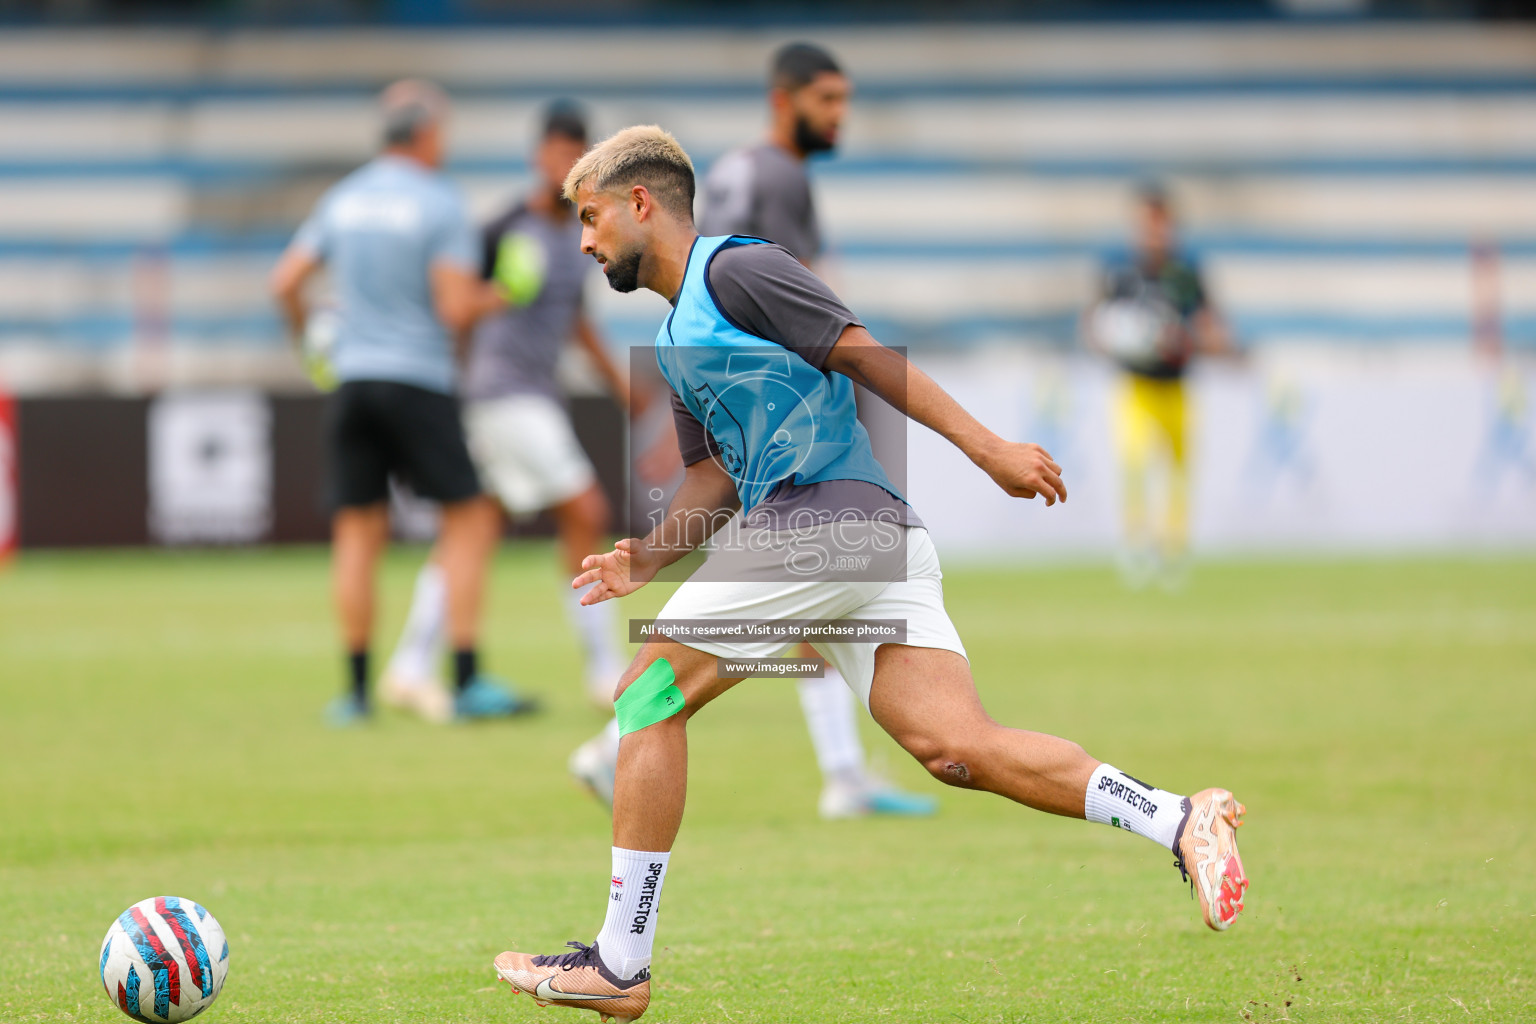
{"x": 375, "y": 429}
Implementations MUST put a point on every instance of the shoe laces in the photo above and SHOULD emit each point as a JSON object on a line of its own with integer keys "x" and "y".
{"x": 1178, "y": 852}
{"x": 584, "y": 955}
{"x": 568, "y": 961}
{"x": 1184, "y": 875}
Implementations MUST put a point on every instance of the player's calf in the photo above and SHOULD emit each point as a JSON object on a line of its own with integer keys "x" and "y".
{"x": 925, "y": 699}
{"x": 950, "y": 763}
{"x": 1044, "y": 772}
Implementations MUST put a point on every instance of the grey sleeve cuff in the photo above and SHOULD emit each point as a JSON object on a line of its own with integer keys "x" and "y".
{"x": 693, "y": 442}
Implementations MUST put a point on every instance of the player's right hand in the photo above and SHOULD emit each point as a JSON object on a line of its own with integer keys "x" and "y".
{"x": 611, "y": 575}
{"x": 1025, "y": 470}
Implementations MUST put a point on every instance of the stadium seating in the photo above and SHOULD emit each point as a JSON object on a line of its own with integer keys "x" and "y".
{"x": 1332, "y": 179}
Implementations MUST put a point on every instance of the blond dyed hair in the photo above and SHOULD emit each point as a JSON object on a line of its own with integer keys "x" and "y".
{"x": 644, "y": 154}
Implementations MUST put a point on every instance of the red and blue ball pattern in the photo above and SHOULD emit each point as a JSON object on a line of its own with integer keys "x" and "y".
{"x": 164, "y": 960}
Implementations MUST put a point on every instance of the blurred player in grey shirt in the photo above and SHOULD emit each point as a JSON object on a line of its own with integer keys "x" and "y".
{"x": 764, "y": 190}
{"x": 519, "y": 429}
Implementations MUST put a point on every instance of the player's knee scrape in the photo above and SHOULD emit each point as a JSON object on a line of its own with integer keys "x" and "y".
{"x": 651, "y": 698}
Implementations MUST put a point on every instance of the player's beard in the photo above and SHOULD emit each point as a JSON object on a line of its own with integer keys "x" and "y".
{"x": 808, "y": 140}
{"x": 623, "y": 270}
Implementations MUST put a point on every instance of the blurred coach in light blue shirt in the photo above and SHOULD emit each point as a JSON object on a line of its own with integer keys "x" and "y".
{"x": 397, "y": 239}
{"x": 404, "y": 265}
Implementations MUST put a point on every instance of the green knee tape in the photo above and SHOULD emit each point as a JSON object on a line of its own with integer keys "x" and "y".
{"x": 649, "y": 699}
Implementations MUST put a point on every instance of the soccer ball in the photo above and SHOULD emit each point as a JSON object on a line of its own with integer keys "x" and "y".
{"x": 1132, "y": 329}
{"x": 164, "y": 960}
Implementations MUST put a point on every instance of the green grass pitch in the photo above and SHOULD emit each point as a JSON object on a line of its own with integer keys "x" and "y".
{"x": 160, "y": 729}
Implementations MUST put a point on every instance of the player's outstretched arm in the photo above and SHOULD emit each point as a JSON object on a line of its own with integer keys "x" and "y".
{"x": 461, "y": 299}
{"x": 1022, "y": 470}
{"x": 585, "y": 333}
{"x": 704, "y": 502}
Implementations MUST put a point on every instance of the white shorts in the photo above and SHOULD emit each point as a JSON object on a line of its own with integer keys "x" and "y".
{"x": 526, "y": 452}
{"x": 918, "y": 600}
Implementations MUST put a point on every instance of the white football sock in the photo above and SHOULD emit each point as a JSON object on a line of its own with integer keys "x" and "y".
{"x": 829, "y": 713}
{"x": 610, "y": 740}
{"x": 595, "y": 628}
{"x": 1115, "y": 798}
{"x": 421, "y": 640}
{"x": 634, "y": 897}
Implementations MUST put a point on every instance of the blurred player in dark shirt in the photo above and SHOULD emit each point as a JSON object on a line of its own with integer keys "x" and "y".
{"x": 515, "y": 417}
{"x": 1152, "y": 317}
{"x": 763, "y": 189}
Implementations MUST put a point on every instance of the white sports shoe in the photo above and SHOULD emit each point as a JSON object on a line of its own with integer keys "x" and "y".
{"x": 601, "y": 683}
{"x": 422, "y": 695}
{"x": 847, "y": 798}
{"x": 593, "y": 766}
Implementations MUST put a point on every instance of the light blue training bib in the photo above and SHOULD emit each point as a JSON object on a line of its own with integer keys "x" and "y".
{"x": 774, "y": 416}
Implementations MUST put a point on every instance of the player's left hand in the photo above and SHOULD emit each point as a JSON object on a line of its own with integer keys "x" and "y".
{"x": 612, "y": 575}
{"x": 1025, "y": 470}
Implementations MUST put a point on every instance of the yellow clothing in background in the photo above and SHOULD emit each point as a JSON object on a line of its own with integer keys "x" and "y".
{"x": 1151, "y": 420}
